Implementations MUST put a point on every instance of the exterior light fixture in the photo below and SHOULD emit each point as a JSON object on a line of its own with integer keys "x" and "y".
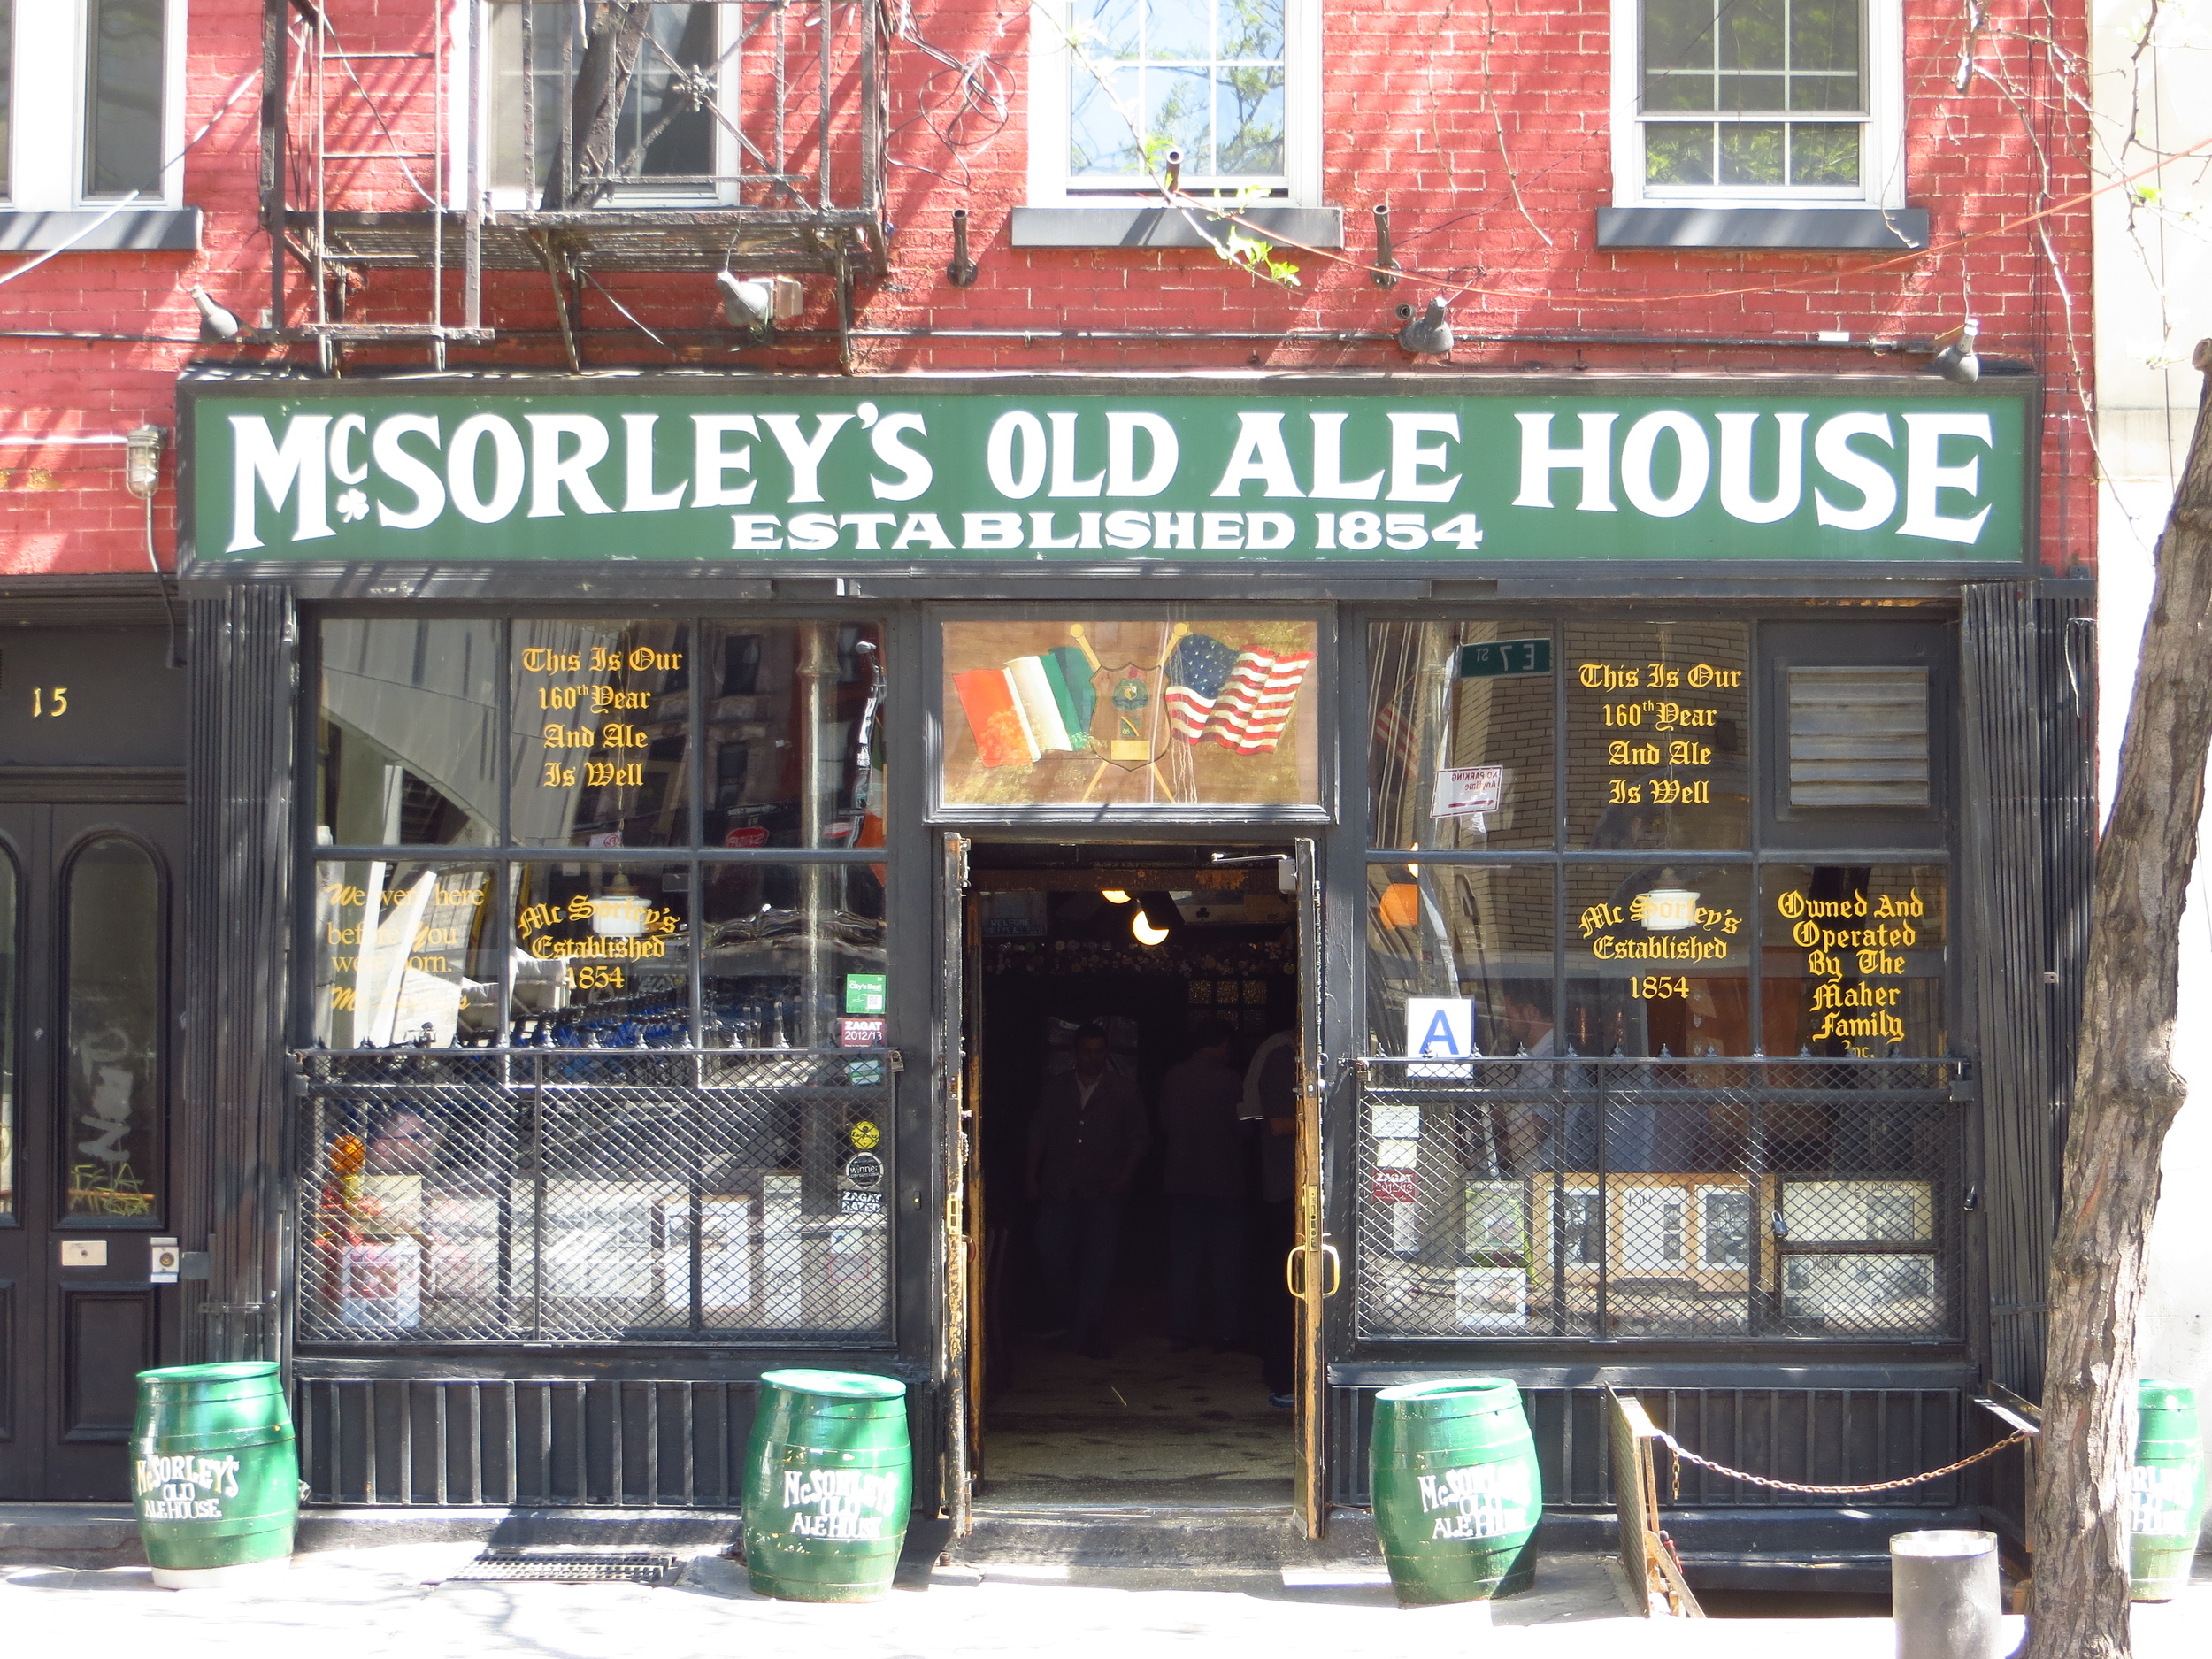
{"x": 1173, "y": 160}
{"x": 1954, "y": 359}
{"x": 1428, "y": 335}
{"x": 1140, "y": 926}
{"x": 1114, "y": 895}
{"x": 1398, "y": 905}
{"x": 758, "y": 303}
{"x": 216, "y": 323}
{"x": 142, "y": 461}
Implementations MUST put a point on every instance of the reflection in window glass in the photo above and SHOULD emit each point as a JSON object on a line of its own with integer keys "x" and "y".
{"x": 406, "y": 750}
{"x": 1157, "y": 713}
{"x": 1852, "y": 957}
{"x": 1206, "y": 78}
{"x": 1658, "y": 725}
{"x": 1659, "y": 960}
{"x": 1461, "y": 717}
{"x": 794, "y": 956}
{"x": 602, "y": 956}
{"x": 602, "y": 714}
{"x": 404, "y": 953}
{"x": 109, "y": 1149}
{"x": 664, "y": 136}
{"x": 123, "y": 95}
{"x": 1479, "y": 931}
{"x": 793, "y": 733}
{"x": 10, "y": 984}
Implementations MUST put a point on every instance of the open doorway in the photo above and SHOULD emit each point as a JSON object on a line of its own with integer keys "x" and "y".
{"x": 1134, "y": 1071}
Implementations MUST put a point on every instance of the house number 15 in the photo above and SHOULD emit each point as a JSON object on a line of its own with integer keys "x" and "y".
{"x": 48, "y": 701}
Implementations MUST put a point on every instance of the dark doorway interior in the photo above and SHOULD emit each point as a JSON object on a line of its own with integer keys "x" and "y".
{"x": 1137, "y": 1410}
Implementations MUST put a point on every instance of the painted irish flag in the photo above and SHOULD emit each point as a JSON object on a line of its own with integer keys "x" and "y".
{"x": 1035, "y": 706}
{"x": 1242, "y": 700}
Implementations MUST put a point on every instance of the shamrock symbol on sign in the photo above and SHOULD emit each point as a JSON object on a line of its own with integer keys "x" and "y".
{"x": 353, "y": 506}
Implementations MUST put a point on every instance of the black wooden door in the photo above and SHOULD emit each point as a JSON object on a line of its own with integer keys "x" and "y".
{"x": 87, "y": 983}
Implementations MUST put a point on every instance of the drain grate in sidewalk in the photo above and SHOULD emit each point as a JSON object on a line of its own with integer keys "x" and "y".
{"x": 571, "y": 1566}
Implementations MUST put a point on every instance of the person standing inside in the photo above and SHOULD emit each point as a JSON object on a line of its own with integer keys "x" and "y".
{"x": 1200, "y": 1101}
{"x": 1085, "y": 1143}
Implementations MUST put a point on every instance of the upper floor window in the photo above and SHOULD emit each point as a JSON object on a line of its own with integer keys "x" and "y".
{"x": 90, "y": 103}
{"x": 1233, "y": 85}
{"x": 548, "y": 78}
{"x": 1757, "y": 102}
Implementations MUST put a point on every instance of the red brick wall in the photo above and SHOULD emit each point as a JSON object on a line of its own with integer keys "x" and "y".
{"x": 1408, "y": 120}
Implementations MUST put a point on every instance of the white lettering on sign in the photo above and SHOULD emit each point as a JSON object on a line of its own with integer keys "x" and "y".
{"x": 189, "y": 1488}
{"x": 2163, "y": 1496}
{"x": 847, "y": 1504}
{"x": 1934, "y": 480}
{"x": 1485, "y": 1501}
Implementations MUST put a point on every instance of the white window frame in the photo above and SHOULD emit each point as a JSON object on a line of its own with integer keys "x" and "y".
{"x": 1881, "y": 150}
{"x": 509, "y": 199}
{"x": 1050, "y": 66}
{"x": 51, "y": 95}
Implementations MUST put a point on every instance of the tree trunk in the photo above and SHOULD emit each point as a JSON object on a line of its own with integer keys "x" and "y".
{"x": 2126, "y": 1096}
{"x": 582, "y": 166}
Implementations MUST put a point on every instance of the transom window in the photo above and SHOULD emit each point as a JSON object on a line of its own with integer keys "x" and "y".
{"x": 100, "y": 86}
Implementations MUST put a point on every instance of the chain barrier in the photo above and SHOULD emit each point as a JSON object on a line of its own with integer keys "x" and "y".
{"x": 1683, "y": 1455}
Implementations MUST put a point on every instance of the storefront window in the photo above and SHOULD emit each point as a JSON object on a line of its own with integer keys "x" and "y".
{"x": 1853, "y": 959}
{"x": 600, "y": 717}
{"x": 794, "y": 735}
{"x": 1480, "y": 933}
{"x": 1160, "y": 712}
{"x": 111, "y": 1092}
{"x": 602, "y": 956}
{"x": 794, "y": 956}
{"x": 1658, "y": 725}
{"x": 10, "y": 984}
{"x": 404, "y": 953}
{"x": 406, "y": 749}
{"x": 1659, "y": 959}
{"x": 1461, "y": 754}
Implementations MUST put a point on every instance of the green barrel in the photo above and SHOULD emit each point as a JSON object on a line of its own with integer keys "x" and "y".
{"x": 2169, "y": 1499}
{"x": 829, "y": 1478}
{"x": 1457, "y": 1493}
{"x": 214, "y": 1471}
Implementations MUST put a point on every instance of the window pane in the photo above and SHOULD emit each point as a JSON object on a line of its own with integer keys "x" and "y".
{"x": 1751, "y": 34}
{"x": 1155, "y": 712}
{"x": 1251, "y": 30}
{"x": 1659, "y": 961}
{"x": 1751, "y": 154}
{"x": 1678, "y": 90}
{"x": 1178, "y": 29}
{"x": 110, "y": 1144}
{"x": 1824, "y": 34}
{"x": 602, "y": 740}
{"x": 602, "y": 956}
{"x": 1179, "y": 111}
{"x": 1824, "y": 92}
{"x": 123, "y": 97}
{"x": 1858, "y": 737}
{"x": 1679, "y": 34}
{"x": 1853, "y": 960}
{"x": 11, "y": 989}
{"x": 794, "y": 957}
{"x": 405, "y": 953}
{"x": 1460, "y": 712}
{"x": 665, "y": 134}
{"x": 406, "y": 749}
{"x": 661, "y": 133}
{"x": 1657, "y": 719}
{"x": 1101, "y": 136}
{"x": 1482, "y": 931}
{"x": 1248, "y": 120}
{"x": 1678, "y": 154}
{"x": 1108, "y": 29}
{"x": 794, "y": 735}
{"x": 1824, "y": 155}
{"x": 1751, "y": 92}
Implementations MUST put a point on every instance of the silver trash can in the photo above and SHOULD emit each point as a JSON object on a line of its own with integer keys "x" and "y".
{"x": 1945, "y": 1595}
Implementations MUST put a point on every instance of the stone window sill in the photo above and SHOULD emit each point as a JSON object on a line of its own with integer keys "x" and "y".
{"x": 1896, "y": 230}
{"x": 138, "y": 229}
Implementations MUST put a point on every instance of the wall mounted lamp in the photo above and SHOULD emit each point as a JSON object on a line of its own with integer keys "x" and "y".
{"x": 1954, "y": 359}
{"x": 756, "y": 304}
{"x": 142, "y": 461}
{"x": 962, "y": 271}
{"x": 216, "y": 323}
{"x": 1427, "y": 335}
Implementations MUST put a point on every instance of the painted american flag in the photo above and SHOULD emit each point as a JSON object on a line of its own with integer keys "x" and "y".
{"x": 1242, "y": 700}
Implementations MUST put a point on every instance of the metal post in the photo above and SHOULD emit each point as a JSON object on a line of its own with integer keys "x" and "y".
{"x": 1943, "y": 1592}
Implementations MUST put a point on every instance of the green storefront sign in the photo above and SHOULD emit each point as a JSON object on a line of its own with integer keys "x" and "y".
{"x": 748, "y": 473}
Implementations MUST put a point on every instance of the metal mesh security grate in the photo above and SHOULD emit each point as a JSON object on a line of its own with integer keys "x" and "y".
{"x": 549, "y": 1195}
{"x": 1641, "y": 1198}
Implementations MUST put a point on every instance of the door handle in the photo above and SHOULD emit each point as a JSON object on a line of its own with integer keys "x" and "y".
{"x": 1291, "y": 1275}
{"x": 1336, "y": 1270}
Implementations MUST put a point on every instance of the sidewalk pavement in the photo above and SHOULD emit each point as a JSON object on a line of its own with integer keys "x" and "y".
{"x": 396, "y": 1603}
